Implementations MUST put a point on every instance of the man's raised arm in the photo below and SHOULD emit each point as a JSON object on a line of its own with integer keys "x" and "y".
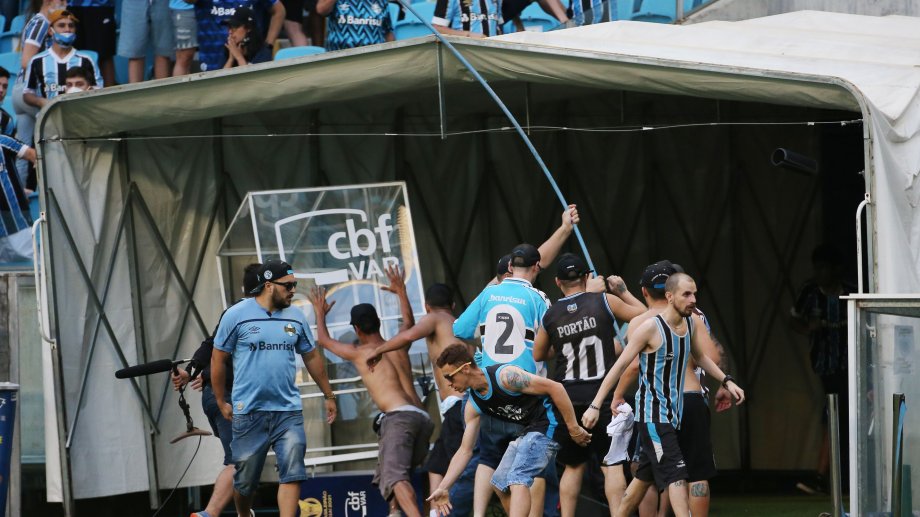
{"x": 320, "y": 308}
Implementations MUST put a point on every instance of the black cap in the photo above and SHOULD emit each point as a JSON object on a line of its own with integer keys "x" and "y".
{"x": 657, "y": 274}
{"x": 241, "y": 16}
{"x": 524, "y": 255}
{"x": 364, "y": 314}
{"x": 571, "y": 267}
{"x": 273, "y": 270}
{"x": 502, "y": 267}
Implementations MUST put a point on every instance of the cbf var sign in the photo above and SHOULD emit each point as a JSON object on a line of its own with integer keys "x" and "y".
{"x": 341, "y": 238}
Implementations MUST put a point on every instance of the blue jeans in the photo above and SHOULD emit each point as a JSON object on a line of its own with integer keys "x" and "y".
{"x": 253, "y": 433}
{"x": 526, "y": 458}
{"x": 222, "y": 427}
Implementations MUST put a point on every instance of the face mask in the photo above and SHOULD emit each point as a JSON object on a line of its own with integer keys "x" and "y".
{"x": 64, "y": 39}
{"x": 73, "y": 89}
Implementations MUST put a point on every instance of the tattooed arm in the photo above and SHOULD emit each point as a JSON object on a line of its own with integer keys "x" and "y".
{"x": 516, "y": 380}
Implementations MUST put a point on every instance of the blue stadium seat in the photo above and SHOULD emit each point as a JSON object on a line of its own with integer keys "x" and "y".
{"x": 656, "y": 11}
{"x": 290, "y": 52}
{"x": 18, "y": 23}
{"x": 10, "y": 61}
{"x": 410, "y": 26}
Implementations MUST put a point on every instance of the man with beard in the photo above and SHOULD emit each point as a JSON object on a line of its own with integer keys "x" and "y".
{"x": 263, "y": 335}
{"x": 666, "y": 343}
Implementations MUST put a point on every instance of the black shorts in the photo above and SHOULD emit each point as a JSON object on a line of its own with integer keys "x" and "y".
{"x": 660, "y": 460}
{"x": 571, "y": 454}
{"x": 511, "y": 9}
{"x": 293, "y": 10}
{"x": 695, "y": 439}
{"x": 448, "y": 441}
{"x": 96, "y": 30}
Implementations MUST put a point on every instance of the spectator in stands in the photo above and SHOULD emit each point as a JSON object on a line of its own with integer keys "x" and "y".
{"x": 77, "y": 79}
{"x": 7, "y": 122}
{"x": 44, "y": 78}
{"x": 15, "y": 231}
{"x": 35, "y": 37}
{"x": 143, "y": 23}
{"x": 293, "y": 22}
{"x": 355, "y": 23}
{"x": 244, "y": 40}
{"x": 473, "y": 20}
{"x": 97, "y": 32}
{"x": 185, "y": 34}
{"x": 212, "y": 36}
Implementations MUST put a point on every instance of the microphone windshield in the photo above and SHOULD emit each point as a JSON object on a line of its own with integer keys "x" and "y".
{"x": 163, "y": 365}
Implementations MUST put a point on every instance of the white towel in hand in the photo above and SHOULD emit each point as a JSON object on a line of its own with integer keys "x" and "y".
{"x": 620, "y": 431}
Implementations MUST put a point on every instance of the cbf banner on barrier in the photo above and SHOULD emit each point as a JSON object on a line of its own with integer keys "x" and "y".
{"x": 341, "y": 238}
{"x": 346, "y": 495}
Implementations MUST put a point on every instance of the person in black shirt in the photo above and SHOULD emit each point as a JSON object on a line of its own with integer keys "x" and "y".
{"x": 579, "y": 330}
{"x": 508, "y": 393}
{"x": 223, "y": 485}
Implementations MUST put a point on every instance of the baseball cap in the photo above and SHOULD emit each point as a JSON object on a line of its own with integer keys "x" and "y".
{"x": 524, "y": 255}
{"x": 502, "y": 267}
{"x": 570, "y": 267}
{"x": 364, "y": 314}
{"x": 655, "y": 275}
{"x": 241, "y": 16}
{"x": 273, "y": 270}
{"x": 61, "y": 13}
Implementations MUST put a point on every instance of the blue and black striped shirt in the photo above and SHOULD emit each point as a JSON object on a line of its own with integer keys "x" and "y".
{"x": 660, "y": 397}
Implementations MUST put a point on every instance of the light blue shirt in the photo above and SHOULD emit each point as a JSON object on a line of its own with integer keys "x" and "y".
{"x": 264, "y": 347}
{"x": 507, "y": 316}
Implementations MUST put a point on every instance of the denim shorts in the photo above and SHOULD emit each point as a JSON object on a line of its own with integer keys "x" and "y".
{"x": 144, "y": 21}
{"x": 494, "y": 436}
{"x": 185, "y": 27}
{"x": 222, "y": 427}
{"x": 525, "y": 459}
{"x": 253, "y": 433}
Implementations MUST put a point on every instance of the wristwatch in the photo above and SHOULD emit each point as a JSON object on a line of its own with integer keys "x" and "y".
{"x": 330, "y": 396}
{"x": 726, "y": 380}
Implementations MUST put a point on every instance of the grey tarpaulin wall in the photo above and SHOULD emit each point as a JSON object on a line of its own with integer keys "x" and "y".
{"x": 182, "y": 153}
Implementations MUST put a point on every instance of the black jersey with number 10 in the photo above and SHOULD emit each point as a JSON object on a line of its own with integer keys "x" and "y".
{"x": 580, "y": 329}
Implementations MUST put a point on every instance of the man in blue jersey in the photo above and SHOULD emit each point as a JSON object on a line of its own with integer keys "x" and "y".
{"x": 666, "y": 343}
{"x": 355, "y": 23}
{"x": 694, "y": 435}
{"x": 46, "y": 76}
{"x": 212, "y": 33}
{"x": 511, "y": 394}
{"x": 479, "y": 19}
{"x": 507, "y": 316}
{"x": 263, "y": 336}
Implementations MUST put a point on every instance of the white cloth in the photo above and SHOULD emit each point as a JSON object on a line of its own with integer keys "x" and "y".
{"x": 620, "y": 431}
{"x": 448, "y": 403}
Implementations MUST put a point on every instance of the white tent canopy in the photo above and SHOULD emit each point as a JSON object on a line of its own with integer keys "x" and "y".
{"x": 139, "y": 183}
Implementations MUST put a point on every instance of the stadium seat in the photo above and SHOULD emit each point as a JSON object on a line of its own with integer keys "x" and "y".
{"x": 10, "y": 61}
{"x": 412, "y": 27}
{"x": 18, "y": 23}
{"x": 656, "y": 11}
{"x": 291, "y": 52}
{"x": 9, "y": 42}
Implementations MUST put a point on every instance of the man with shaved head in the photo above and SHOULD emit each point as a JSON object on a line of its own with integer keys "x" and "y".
{"x": 664, "y": 344}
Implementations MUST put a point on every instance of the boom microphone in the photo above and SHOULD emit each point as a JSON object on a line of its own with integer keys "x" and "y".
{"x": 163, "y": 365}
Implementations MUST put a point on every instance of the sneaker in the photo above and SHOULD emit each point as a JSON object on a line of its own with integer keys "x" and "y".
{"x": 810, "y": 490}
{"x": 202, "y": 513}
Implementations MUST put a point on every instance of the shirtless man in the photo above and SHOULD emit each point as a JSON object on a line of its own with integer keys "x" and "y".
{"x": 405, "y": 429}
{"x": 665, "y": 340}
{"x": 436, "y": 328}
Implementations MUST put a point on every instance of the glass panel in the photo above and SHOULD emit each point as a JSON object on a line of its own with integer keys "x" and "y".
{"x": 889, "y": 358}
{"x": 31, "y": 400}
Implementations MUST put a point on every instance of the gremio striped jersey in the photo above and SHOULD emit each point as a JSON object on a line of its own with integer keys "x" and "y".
{"x": 660, "y": 397}
{"x": 507, "y": 316}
